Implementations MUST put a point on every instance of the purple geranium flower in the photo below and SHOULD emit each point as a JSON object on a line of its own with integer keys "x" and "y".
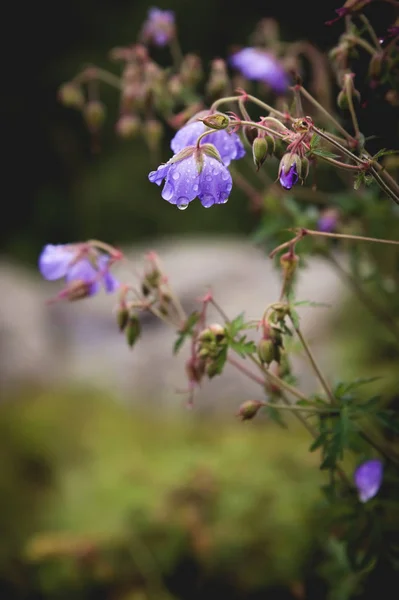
{"x": 159, "y": 28}
{"x": 289, "y": 178}
{"x": 194, "y": 172}
{"x": 227, "y": 144}
{"x": 368, "y": 479}
{"x": 327, "y": 221}
{"x": 261, "y": 66}
{"x": 77, "y": 264}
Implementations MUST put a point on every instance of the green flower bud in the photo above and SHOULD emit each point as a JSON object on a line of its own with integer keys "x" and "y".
{"x": 289, "y": 262}
{"x": 71, "y": 95}
{"x": 266, "y": 351}
{"x": 259, "y": 151}
{"x": 249, "y": 409}
{"x": 94, "y": 114}
{"x": 375, "y": 65}
{"x": 216, "y": 121}
{"x": 132, "y": 330}
{"x": 122, "y": 317}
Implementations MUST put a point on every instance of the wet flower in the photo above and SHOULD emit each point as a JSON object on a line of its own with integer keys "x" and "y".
{"x": 159, "y": 28}
{"x": 194, "y": 172}
{"x": 261, "y": 66}
{"x": 289, "y": 178}
{"x": 78, "y": 263}
{"x": 227, "y": 144}
{"x": 368, "y": 479}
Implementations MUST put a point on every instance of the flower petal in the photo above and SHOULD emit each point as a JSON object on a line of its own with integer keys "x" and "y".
{"x": 54, "y": 260}
{"x": 182, "y": 182}
{"x": 158, "y": 175}
{"x": 215, "y": 183}
{"x": 261, "y": 66}
{"x": 368, "y": 479}
{"x": 111, "y": 284}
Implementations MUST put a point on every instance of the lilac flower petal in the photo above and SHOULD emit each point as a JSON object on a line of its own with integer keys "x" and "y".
{"x": 182, "y": 182}
{"x": 368, "y": 479}
{"x": 159, "y": 175}
{"x": 261, "y": 66}
{"x": 327, "y": 223}
{"x": 54, "y": 261}
{"x": 290, "y": 178}
{"x": 215, "y": 183}
{"x": 227, "y": 144}
{"x": 111, "y": 284}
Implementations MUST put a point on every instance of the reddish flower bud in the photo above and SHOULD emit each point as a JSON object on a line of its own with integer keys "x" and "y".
{"x": 132, "y": 330}
{"x": 249, "y": 409}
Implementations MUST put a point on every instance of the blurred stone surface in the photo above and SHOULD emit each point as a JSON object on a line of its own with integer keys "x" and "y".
{"x": 70, "y": 343}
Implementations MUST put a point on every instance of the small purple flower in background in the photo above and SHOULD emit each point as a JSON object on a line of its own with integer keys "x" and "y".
{"x": 194, "y": 172}
{"x": 159, "y": 28}
{"x": 261, "y": 66}
{"x": 289, "y": 178}
{"x": 328, "y": 221}
{"x": 368, "y": 479}
{"x": 84, "y": 269}
{"x": 227, "y": 144}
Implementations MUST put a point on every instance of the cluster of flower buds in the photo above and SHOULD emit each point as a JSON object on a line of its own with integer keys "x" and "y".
{"x": 212, "y": 346}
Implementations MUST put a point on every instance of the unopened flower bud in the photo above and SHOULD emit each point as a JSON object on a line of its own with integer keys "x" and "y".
{"x": 289, "y": 262}
{"x": 289, "y": 170}
{"x": 259, "y": 151}
{"x": 212, "y": 369}
{"x": 191, "y": 70}
{"x": 94, "y": 114}
{"x": 213, "y": 332}
{"x": 153, "y": 132}
{"x": 216, "y": 121}
{"x": 266, "y": 351}
{"x": 375, "y": 65}
{"x": 71, "y": 95}
{"x": 132, "y": 330}
{"x": 76, "y": 290}
{"x": 122, "y": 317}
{"x": 249, "y": 409}
{"x": 128, "y": 126}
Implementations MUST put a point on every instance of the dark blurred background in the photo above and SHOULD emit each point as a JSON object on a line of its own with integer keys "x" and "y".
{"x": 55, "y": 189}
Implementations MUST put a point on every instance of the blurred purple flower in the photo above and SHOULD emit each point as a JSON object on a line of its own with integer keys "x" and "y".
{"x": 69, "y": 261}
{"x": 159, "y": 28}
{"x": 368, "y": 479}
{"x": 327, "y": 221}
{"x": 228, "y": 145}
{"x": 289, "y": 178}
{"x": 191, "y": 173}
{"x": 261, "y": 66}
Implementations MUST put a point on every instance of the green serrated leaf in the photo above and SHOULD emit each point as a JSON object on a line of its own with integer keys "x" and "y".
{"x": 236, "y": 325}
{"x": 323, "y": 153}
{"x": 312, "y": 304}
{"x": 294, "y": 317}
{"x": 242, "y": 347}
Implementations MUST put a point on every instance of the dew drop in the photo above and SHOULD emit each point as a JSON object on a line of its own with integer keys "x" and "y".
{"x": 207, "y": 200}
{"x": 195, "y": 187}
{"x": 225, "y": 175}
{"x": 167, "y": 191}
{"x": 175, "y": 175}
{"x": 223, "y": 198}
{"x": 208, "y": 178}
{"x": 182, "y": 203}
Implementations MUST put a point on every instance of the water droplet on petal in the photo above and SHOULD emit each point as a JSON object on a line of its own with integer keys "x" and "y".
{"x": 208, "y": 177}
{"x": 195, "y": 187}
{"x": 207, "y": 200}
{"x": 225, "y": 175}
{"x": 175, "y": 175}
{"x": 223, "y": 198}
{"x": 182, "y": 203}
{"x": 167, "y": 191}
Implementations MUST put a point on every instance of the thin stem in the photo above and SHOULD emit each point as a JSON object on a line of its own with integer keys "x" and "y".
{"x": 313, "y": 362}
{"x": 341, "y": 165}
{"x": 385, "y": 181}
{"x": 347, "y": 236}
{"x": 360, "y": 42}
{"x": 321, "y": 109}
{"x": 259, "y": 126}
{"x": 371, "y": 31}
{"x": 352, "y": 111}
{"x": 92, "y": 73}
{"x": 367, "y": 300}
{"x": 340, "y": 147}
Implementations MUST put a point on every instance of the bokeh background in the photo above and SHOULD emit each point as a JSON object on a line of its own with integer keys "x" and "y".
{"x": 116, "y": 491}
